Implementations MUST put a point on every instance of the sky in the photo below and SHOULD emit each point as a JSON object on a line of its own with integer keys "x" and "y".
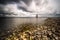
{"x": 29, "y": 7}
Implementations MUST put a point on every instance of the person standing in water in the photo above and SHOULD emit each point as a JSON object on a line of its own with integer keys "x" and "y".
{"x": 36, "y": 15}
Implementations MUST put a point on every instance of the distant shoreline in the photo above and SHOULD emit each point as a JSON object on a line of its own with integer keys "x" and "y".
{"x": 39, "y": 16}
{"x": 29, "y": 17}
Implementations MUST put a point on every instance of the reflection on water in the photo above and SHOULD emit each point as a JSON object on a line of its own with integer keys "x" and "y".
{"x": 13, "y": 22}
{"x": 30, "y": 28}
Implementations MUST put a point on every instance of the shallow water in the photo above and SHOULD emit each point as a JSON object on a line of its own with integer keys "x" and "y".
{"x": 6, "y": 23}
{"x": 50, "y": 27}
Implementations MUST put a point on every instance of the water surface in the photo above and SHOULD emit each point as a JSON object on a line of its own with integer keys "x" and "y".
{"x": 7, "y": 23}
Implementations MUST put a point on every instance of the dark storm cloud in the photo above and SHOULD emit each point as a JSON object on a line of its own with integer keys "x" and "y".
{"x": 6, "y": 1}
{"x": 1, "y": 7}
{"x": 29, "y": 6}
{"x": 27, "y": 1}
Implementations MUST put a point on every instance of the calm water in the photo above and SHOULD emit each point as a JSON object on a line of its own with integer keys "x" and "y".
{"x": 13, "y": 22}
{"x": 7, "y": 23}
{"x": 8, "y": 26}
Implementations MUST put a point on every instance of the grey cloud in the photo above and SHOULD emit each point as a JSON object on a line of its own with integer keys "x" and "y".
{"x": 7, "y": 1}
{"x": 27, "y": 7}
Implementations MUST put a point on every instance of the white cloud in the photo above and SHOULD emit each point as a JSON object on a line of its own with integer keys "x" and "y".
{"x": 34, "y": 7}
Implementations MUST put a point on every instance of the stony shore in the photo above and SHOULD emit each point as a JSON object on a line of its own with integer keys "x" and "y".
{"x": 50, "y": 30}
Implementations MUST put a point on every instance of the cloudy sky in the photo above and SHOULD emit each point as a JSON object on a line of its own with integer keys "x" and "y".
{"x": 30, "y": 7}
